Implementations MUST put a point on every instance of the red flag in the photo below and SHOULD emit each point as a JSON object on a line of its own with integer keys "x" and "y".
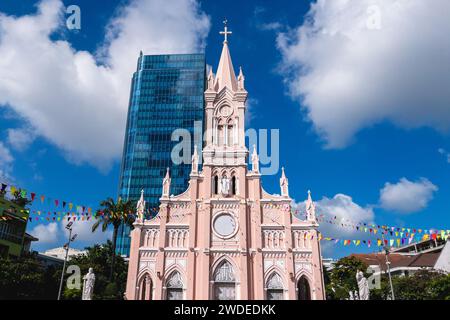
{"x": 33, "y": 195}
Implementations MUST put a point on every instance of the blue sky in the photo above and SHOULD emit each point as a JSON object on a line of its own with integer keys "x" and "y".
{"x": 356, "y": 109}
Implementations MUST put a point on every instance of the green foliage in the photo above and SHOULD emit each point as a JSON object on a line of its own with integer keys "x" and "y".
{"x": 422, "y": 285}
{"x": 99, "y": 258}
{"x": 26, "y": 278}
{"x": 72, "y": 294}
{"x": 342, "y": 278}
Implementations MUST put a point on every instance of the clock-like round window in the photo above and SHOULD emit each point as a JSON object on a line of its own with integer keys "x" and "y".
{"x": 224, "y": 225}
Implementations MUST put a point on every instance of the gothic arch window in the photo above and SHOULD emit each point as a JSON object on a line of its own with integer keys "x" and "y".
{"x": 230, "y": 133}
{"x": 303, "y": 289}
{"x": 145, "y": 288}
{"x": 174, "y": 287}
{"x": 216, "y": 184}
{"x": 274, "y": 287}
{"x": 224, "y": 282}
{"x": 233, "y": 185}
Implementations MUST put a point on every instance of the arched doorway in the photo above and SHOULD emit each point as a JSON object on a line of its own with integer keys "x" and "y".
{"x": 174, "y": 287}
{"x": 275, "y": 287}
{"x": 303, "y": 288}
{"x": 224, "y": 282}
{"x": 145, "y": 288}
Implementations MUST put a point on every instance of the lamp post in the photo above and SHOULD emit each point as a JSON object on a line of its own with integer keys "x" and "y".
{"x": 388, "y": 263}
{"x": 66, "y": 247}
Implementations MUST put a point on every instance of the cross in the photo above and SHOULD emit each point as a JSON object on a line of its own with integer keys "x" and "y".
{"x": 225, "y": 32}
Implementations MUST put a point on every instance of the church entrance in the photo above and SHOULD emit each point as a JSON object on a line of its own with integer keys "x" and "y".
{"x": 224, "y": 282}
{"x": 304, "y": 291}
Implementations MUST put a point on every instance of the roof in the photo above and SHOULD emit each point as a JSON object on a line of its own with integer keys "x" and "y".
{"x": 397, "y": 260}
{"x": 225, "y": 76}
{"x": 30, "y": 237}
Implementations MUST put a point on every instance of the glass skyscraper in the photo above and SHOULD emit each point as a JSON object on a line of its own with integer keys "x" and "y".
{"x": 166, "y": 94}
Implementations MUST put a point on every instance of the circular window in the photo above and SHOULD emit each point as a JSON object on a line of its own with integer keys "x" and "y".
{"x": 224, "y": 225}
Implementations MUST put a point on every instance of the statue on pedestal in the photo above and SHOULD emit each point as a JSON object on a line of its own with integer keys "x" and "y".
{"x": 225, "y": 186}
{"x": 88, "y": 285}
{"x": 363, "y": 286}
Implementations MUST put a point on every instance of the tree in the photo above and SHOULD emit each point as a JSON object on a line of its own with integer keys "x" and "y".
{"x": 342, "y": 278}
{"x": 27, "y": 278}
{"x": 99, "y": 258}
{"x": 422, "y": 285}
{"x": 114, "y": 214}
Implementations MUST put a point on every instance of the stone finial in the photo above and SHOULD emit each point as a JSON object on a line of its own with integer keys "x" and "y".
{"x": 284, "y": 184}
{"x": 140, "y": 207}
{"x": 241, "y": 79}
{"x": 195, "y": 160}
{"x": 310, "y": 208}
{"x": 166, "y": 184}
{"x": 255, "y": 160}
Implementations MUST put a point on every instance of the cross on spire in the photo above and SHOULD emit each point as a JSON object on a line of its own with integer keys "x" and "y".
{"x": 225, "y": 32}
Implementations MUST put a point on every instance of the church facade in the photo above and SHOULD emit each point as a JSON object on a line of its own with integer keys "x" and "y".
{"x": 225, "y": 238}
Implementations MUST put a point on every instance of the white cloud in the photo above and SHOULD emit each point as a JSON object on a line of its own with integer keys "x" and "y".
{"x": 353, "y": 64}
{"x": 20, "y": 139}
{"x": 6, "y": 161}
{"x": 445, "y": 153}
{"x": 54, "y": 234}
{"x": 346, "y": 212}
{"x": 5, "y": 154}
{"x": 83, "y": 229}
{"x": 406, "y": 196}
{"x": 74, "y": 99}
{"x": 46, "y": 233}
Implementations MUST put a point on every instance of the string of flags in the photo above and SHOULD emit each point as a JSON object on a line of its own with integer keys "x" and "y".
{"x": 375, "y": 228}
{"x": 401, "y": 235}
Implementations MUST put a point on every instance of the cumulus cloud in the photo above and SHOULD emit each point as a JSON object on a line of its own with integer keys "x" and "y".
{"x": 55, "y": 234}
{"x": 353, "y": 64}
{"x": 20, "y": 139}
{"x": 406, "y": 196}
{"x": 83, "y": 229}
{"x": 6, "y": 161}
{"x": 46, "y": 233}
{"x": 75, "y": 99}
{"x": 341, "y": 209}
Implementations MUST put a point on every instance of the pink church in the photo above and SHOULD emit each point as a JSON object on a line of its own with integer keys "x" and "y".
{"x": 225, "y": 238}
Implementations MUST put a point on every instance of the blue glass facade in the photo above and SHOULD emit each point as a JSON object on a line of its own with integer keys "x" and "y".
{"x": 166, "y": 94}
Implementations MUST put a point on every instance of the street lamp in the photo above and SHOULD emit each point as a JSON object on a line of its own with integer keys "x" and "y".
{"x": 66, "y": 247}
{"x": 388, "y": 263}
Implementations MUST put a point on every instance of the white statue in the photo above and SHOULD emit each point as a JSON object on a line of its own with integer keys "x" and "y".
{"x": 363, "y": 286}
{"x": 88, "y": 285}
{"x": 140, "y": 208}
{"x": 255, "y": 160}
{"x": 351, "y": 297}
{"x": 225, "y": 186}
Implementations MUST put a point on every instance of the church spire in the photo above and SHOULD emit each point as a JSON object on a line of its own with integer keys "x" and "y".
{"x": 225, "y": 76}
